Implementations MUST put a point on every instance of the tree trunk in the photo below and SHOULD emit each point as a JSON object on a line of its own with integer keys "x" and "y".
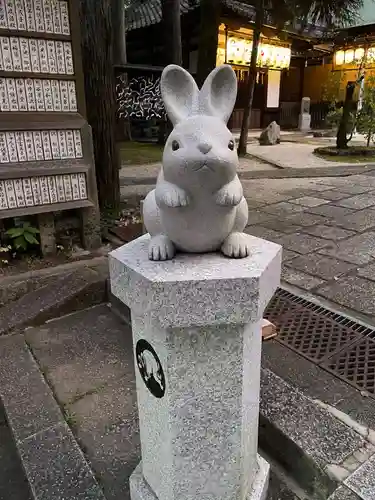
{"x": 123, "y": 127}
{"x": 252, "y": 78}
{"x": 97, "y": 52}
{"x": 172, "y": 31}
{"x": 341, "y": 139}
{"x": 210, "y": 11}
{"x": 171, "y": 20}
{"x": 119, "y": 34}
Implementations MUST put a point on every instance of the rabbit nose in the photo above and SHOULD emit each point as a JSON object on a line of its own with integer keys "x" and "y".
{"x": 204, "y": 147}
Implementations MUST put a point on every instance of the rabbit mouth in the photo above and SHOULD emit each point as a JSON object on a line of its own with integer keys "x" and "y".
{"x": 202, "y": 166}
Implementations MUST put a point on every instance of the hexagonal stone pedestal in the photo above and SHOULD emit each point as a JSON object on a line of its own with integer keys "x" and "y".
{"x": 197, "y": 344}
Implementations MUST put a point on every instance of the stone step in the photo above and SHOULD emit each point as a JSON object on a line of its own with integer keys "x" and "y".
{"x": 318, "y": 447}
{"x": 54, "y": 464}
{"x": 13, "y": 287}
{"x": 77, "y": 289}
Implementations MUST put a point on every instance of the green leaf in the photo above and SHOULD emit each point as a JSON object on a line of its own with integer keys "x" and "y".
{"x": 20, "y": 243}
{"x": 14, "y": 232}
{"x": 30, "y": 238}
{"x": 33, "y": 230}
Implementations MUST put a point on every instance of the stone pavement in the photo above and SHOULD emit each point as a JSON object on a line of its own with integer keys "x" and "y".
{"x": 327, "y": 229}
{"x": 142, "y": 172}
{"x": 87, "y": 360}
{"x": 294, "y": 155}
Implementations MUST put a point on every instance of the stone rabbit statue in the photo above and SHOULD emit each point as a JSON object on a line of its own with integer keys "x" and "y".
{"x": 198, "y": 204}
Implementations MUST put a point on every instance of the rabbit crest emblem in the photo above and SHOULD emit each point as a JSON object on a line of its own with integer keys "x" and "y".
{"x": 198, "y": 204}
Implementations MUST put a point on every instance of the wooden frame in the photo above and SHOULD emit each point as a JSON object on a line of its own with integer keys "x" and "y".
{"x": 44, "y": 127}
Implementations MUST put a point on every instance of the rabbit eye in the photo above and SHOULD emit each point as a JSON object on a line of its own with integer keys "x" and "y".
{"x": 231, "y": 145}
{"x": 175, "y": 146}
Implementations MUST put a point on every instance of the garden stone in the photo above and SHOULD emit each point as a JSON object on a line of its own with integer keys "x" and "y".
{"x": 270, "y": 135}
{"x": 196, "y": 324}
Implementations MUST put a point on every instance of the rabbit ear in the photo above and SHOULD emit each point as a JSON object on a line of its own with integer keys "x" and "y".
{"x": 218, "y": 94}
{"x": 179, "y": 92}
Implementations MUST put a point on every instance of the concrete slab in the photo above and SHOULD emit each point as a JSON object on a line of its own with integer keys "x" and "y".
{"x": 328, "y": 232}
{"x": 81, "y": 353}
{"x": 326, "y": 268}
{"x": 357, "y": 202}
{"x": 305, "y": 219}
{"x": 106, "y": 425}
{"x": 367, "y": 272}
{"x": 302, "y": 243}
{"x": 351, "y": 185}
{"x": 362, "y": 482}
{"x": 309, "y": 201}
{"x": 291, "y": 155}
{"x": 67, "y": 293}
{"x": 264, "y": 232}
{"x": 55, "y": 450}
{"x": 331, "y": 211}
{"x": 29, "y": 403}
{"x": 292, "y": 425}
{"x": 283, "y": 208}
{"x": 13, "y": 483}
{"x": 353, "y": 292}
{"x": 332, "y": 195}
{"x": 359, "y": 249}
{"x": 300, "y": 279}
{"x": 282, "y": 225}
{"x": 344, "y": 493}
{"x": 359, "y": 221}
{"x": 257, "y": 217}
{"x": 289, "y": 255}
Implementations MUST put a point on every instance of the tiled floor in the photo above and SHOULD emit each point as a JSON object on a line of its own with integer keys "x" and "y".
{"x": 329, "y": 248}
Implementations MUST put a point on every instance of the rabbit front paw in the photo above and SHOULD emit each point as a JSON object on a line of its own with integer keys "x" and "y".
{"x": 171, "y": 196}
{"x": 230, "y": 195}
{"x": 236, "y": 246}
{"x": 161, "y": 248}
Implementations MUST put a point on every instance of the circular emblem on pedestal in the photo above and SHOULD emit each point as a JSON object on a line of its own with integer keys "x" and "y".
{"x": 150, "y": 368}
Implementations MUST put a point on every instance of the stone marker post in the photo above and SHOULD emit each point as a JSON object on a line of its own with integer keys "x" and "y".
{"x": 304, "y": 122}
{"x": 197, "y": 344}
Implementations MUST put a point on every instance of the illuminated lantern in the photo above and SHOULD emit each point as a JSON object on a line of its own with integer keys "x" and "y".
{"x": 239, "y": 52}
{"x": 261, "y": 55}
{"x": 371, "y": 55}
{"x": 247, "y": 51}
{"x": 349, "y": 56}
{"x": 231, "y": 50}
{"x": 220, "y": 56}
{"x": 287, "y": 57}
{"x": 340, "y": 57}
{"x": 359, "y": 54}
{"x": 279, "y": 57}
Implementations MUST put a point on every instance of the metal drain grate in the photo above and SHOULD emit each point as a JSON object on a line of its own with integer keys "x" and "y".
{"x": 356, "y": 364}
{"x": 339, "y": 344}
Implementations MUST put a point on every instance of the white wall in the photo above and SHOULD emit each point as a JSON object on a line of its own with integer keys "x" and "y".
{"x": 273, "y": 89}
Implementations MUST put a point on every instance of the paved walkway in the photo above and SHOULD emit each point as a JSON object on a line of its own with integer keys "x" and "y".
{"x": 294, "y": 155}
{"x": 327, "y": 229}
{"x": 139, "y": 172}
